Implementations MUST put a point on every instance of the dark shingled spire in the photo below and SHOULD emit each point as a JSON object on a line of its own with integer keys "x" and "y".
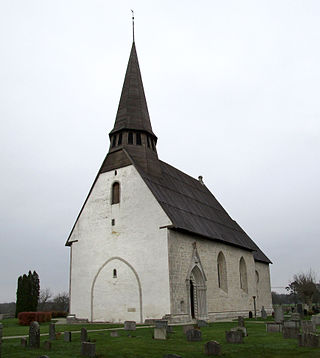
{"x": 133, "y": 110}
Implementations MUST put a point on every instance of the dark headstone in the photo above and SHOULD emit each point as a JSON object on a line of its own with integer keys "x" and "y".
{"x": 130, "y": 325}
{"x": 263, "y": 313}
{"x": 309, "y": 340}
{"x": 52, "y": 331}
{"x": 240, "y": 321}
{"x": 47, "y": 345}
{"x": 187, "y": 328}
{"x": 172, "y": 356}
{"x": 308, "y": 327}
{"x": 160, "y": 323}
{"x": 290, "y": 332}
{"x": 160, "y": 333}
{"x": 250, "y": 314}
{"x": 170, "y": 329}
{"x": 34, "y": 335}
{"x": 67, "y": 336}
{"x": 291, "y": 324}
{"x": 272, "y": 327}
{"x": 84, "y": 335}
{"x": 114, "y": 334}
{"x": 234, "y": 337}
{"x": 300, "y": 309}
{"x": 316, "y": 319}
{"x": 88, "y": 349}
{"x": 212, "y": 348}
{"x": 194, "y": 335}
{"x": 24, "y": 342}
{"x": 202, "y": 323}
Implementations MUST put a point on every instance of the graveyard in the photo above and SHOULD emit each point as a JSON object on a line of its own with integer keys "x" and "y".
{"x": 278, "y": 336}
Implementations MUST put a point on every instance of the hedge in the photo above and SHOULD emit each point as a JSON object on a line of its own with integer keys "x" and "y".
{"x": 25, "y": 318}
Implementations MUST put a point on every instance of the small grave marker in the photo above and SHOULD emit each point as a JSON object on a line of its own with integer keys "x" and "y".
{"x": 67, "y": 336}
{"x": 263, "y": 313}
{"x": 212, "y": 348}
{"x": 290, "y": 332}
{"x": 114, "y": 334}
{"x": 84, "y": 335}
{"x": 34, "y": 335}
{"x": 309, "y": 340}
{"x": 194, "y": 335}
{"x": 160, "y": 333}
{"x": 234, "y": 337}
{"x": 52, "y": 331}
{"x": 47, "y": 345}
{"x": 240, "y": 321}
{"x": 88, "y": 349}
{"x": 130, "y": 325}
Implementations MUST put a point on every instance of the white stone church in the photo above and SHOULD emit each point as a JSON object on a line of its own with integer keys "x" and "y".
{"x": 151, "y": 241}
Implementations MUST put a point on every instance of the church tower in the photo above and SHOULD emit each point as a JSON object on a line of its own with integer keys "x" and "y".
{"x": 132, "y": 132}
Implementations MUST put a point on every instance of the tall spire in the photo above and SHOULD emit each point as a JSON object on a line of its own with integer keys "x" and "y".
{"x": 133, "y": 110}
{"x": 132, "y": 140}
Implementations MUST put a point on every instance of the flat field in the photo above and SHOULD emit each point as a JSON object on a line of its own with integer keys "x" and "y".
{"x": 141, "y": 345}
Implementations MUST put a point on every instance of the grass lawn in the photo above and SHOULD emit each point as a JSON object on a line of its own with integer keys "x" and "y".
{"x": 141, "y": 345}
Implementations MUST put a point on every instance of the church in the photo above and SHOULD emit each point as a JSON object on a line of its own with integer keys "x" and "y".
{"x": 151, "y": 241}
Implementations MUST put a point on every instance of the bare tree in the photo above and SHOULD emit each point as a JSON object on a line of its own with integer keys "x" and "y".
{"x": 304, "y": 286}
{"x": 44, "y": 297}
{"x": 61, "y": 302}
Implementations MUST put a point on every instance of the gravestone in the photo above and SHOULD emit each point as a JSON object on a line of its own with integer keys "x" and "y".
{"x": 170, "y": 329}
{"x": 240, "y": 321}
{"x": 160, "y": 333}
{"x": 84, "y": 335}
{"x": 1, "y": 332}
{"x": 194, "y": 335}
{"x": 202, "y": 323}
{"x": 212, "y": 348}
{"x": 172, "y": 356}
{"x": 114, "y": 334}
{"x": 272, "y": 327}
{"x": 24, "y": 342}
{"x": 234, "y": 337}
{"x": 291, "y": 324}
{"x": 308, "y": 327}
{"x": 160, "y": 323}
{"x": 52, "y": 331}
{"x": 34, "y": 335}
{"x": 300, "y": 310}
{"x": 290, "y": 332}
{"x": 295, "y": 317}
{"x": 67, "y": 336}
{"x": 263, "y": 313}
{"x": 187, "y": 328}
{"x": 241, "y": 329}
{"x": 316, "y": 319}
{"x": 130, "y": 325}
{"x": 309, "y": 340}
{"x": 47, "y": 345}
{"x": 278, "y": 314}
{"x": 88, "y": 349}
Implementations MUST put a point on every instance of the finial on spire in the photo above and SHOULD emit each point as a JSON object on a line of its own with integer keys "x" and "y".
{"x": 132, "y": 25}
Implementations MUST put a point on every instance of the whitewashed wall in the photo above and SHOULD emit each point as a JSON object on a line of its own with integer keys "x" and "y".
{"x": 135, "y": 246}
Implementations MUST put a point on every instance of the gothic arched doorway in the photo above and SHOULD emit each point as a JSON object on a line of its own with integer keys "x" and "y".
{"x": 197, "y": 295}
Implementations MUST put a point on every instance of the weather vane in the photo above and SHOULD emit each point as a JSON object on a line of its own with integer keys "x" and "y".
{"x": 132, "y": 24}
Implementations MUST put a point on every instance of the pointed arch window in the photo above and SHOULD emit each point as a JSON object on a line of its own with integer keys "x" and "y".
{"x": 115, "y": 195}
{"x": 222, "y": 272}
{"x": 243, "y": 275}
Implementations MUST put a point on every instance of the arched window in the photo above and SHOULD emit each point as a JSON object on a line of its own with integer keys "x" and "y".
{"x": 115, "y": 193}
{"x": 114, "y": 273}
{"x": 222, "y": 272}
{"x": 243, "y": 275}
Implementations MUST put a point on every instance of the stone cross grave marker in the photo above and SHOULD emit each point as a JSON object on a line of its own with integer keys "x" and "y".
{"x": 84, "y": 335}
{"x": 88, "y": 349}
{"x": 129, "y": 325}
{"x": 212, "y": 348}
{"x": 263, "y": 313}
{"x": 34, "y": 335}
{"x": 240, "y": 321}
{"x": 52, "y": 331}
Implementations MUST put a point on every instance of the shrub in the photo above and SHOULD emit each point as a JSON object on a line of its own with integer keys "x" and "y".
{"x": 56, "y": 314}
{"x": 25, "y": 318}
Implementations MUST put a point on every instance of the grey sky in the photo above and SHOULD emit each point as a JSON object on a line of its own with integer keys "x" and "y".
{"x": 233, "y": 94}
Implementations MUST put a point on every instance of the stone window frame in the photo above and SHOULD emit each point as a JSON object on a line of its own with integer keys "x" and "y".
{"x": 222, "y": 272}
{"x": 243, "y": 274}
{"x": 115, "y": 193}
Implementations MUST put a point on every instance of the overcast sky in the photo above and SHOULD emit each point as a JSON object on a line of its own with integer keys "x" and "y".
{"x": 233, "y": 93}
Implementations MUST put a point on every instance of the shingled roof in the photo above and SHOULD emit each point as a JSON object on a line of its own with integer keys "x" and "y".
{"x": 192, "y": 208}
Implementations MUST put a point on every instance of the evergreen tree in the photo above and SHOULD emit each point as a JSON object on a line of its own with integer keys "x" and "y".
{"x": 28, "y": 291}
